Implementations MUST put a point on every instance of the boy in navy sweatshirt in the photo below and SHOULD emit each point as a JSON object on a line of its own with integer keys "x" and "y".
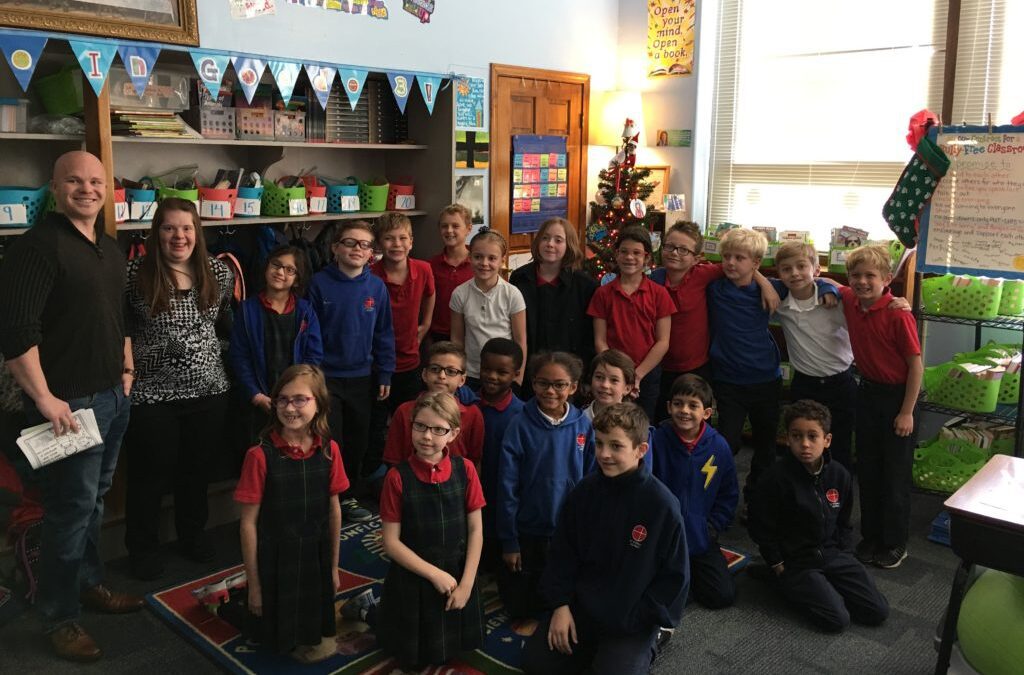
{"x": 359, "y": 349}
{"x": 617, "y": 568}
{"x": 696, "y": 465}
{"x": 547, "y": 450}
{"x": 800, "y": 519}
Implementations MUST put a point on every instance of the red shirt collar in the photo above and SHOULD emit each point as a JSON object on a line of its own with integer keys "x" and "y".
{"x": 289, "y": 305}
{"x": 440, "y": 257}
{"x": 431, "y": 473}
{"x": 690, "y": 445}
{"x": 501, "y": 405}
{"x": 879, "y": 304}
{"x": 556, "y": 281}
{"x": 641, "y": 288}
{"x": 294, "y": 451}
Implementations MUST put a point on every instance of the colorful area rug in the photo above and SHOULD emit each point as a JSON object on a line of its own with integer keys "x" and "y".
{"x": 363, "y": 565}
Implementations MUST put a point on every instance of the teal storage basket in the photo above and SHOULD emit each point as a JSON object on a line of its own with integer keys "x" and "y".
{"x": 33, "y": 199}
{"x": 249, "y": 193}
{"x": 144, "y": 196}
{"x": 336, "y": 192}
{"x": 962, "y": 296}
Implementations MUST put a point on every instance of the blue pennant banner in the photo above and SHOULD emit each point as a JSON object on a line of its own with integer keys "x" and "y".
{"x": 210, "y": 68}
{"x": 95, "y": 59}
{"x": 352, "y": 80}
{"x": 429, "y": 86}
{"x": 249, "y": 71}
{"x": 401, "y": 87}
{"x": 22, "y": 52}
{"x": 321, "y": 78}
{"x": 139, "y": 62}
{"x": 286, "y": 74}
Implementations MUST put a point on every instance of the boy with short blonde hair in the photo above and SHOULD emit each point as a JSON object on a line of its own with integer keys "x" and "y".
{"x": 888, "y": 355}
{"x": 450, "y": 267}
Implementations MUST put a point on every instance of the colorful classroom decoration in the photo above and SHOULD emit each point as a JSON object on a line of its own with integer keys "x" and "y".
{"x": 670, "y": 28}
{"x": 210, "y": 67}
{"x": 286, "y": 74}
{"x": 249, "y": 71}
{"x": 469, "y": 103}
{"x": 322, "y": 78}
{"x": 138, "y": 61}
{"x": 540, "y": 181}
{"x": 22, "y": 52}
{"x": 421, "y": 9}
{"x": 95, "y": 59}
{"x": 352, "y": 80}
{"x": 401, "y": 87}
{"x": 472, "y": 149}
{"x": 250, "y": 9}
{"x": 978, "y": 233}
{"x": 429, "y": 86}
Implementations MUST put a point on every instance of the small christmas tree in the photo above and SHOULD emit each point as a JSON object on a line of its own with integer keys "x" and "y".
{"x": 622, "y": 190}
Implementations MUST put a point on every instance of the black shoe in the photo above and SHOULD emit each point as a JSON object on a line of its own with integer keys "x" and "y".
{"x": 892, "y": 558}
{"x": 146, "y": 566}
{"x": 200, "y": 549}
{"x": 352, "y": 512}
{"x": 664, "y": 635}
{"x": 866, "y": 552}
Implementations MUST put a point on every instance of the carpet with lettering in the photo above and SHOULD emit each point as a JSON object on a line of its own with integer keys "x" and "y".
{"x": 363, "y": 565}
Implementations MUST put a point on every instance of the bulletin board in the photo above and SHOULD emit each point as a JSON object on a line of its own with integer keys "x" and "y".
{"x": 540, "y": 181}
{"x": 975, "y": 221}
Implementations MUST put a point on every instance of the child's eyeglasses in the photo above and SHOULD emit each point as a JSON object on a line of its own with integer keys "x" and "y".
{"x": 298, "y": 401}
{"x": 349, "y": 242}
{"x": 544, "y": 385}
{"x": 437, "y": 431}
{"x": 288, "y": 270}
{"x": 681, "y": 250}
{"x": 435, "y": 369}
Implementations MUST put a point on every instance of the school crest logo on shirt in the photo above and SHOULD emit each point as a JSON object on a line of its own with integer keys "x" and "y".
{"x": 832, "y": 495}
{"x": 368, "y": 305}
{"x": 637, "y": 536}
{"x": 581, "y": 441}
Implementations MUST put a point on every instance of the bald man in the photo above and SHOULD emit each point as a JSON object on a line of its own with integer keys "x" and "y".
{"x": 62, "y": 335}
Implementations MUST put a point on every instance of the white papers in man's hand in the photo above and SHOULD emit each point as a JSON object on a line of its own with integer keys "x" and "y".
{"x": 41, "y": 447}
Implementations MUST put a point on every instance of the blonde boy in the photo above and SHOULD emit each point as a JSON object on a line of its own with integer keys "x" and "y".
{"x": 451, "y": 266}
{"x": 888, "y": 355}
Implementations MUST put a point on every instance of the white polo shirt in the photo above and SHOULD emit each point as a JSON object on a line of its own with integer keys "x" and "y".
{"x": 816, "y": 336}
{"x": 486, "y": 315}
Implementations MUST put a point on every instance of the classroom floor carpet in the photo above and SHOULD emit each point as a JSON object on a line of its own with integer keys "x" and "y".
{"x": 758, "y": 635}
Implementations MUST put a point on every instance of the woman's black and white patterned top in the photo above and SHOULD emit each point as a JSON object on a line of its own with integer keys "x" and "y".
{"x": 177, "y": 352}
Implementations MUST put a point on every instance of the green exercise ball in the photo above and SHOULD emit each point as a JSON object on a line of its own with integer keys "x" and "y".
{"x": 991, "y": 624}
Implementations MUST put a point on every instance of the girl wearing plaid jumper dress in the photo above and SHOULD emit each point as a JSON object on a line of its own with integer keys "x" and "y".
{"x": 291, "y": 518}
{"x": 430, "y": 609}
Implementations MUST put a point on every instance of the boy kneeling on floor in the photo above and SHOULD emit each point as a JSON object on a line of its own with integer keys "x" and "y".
{"x": 800, "y": 519}
{"x": 617, "y": 566}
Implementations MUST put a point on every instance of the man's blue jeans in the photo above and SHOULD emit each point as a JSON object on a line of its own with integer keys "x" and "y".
{"x": 73, "y": 491}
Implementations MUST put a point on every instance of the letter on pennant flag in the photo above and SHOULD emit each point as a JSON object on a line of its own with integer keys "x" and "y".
{"x": 286, "y": 74}
{"x": 139, "y": 62}
{"x": 401, "y": 87}
{"x": 22, "y": 52}
{"x": 352, "y": 80}
{"x": 210, "y": 68}
{"x": 95, "y": 59}
{"x": 322, "y": 78}
{"x": 249, "y": 71}
{"x": 429, "y": 86}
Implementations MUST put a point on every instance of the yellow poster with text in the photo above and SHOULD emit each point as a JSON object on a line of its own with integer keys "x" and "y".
{"x": 670, "y": 37}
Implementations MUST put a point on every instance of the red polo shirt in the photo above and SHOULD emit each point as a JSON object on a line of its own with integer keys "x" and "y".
{"x": 501, "y": 405}
{"x": 688, "y": 348}
{"x": 406, "y": 300}
{"x": 468, "y": 444}
{"x": 391, "y": 494}
{"x": 446, "y": 279}
{"x": 631, "y": 318}
{"x": 690, "y": 445}
{"x": 881, "y": 338}
{"x": 254, "y": 469}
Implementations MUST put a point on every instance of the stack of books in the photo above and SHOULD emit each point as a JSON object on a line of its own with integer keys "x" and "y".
{"x": 150, "y": 124}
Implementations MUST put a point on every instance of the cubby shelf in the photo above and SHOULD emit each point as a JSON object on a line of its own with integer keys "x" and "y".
{"x": 12, "y": 231}
{"x": 1006, "y": 413}
{"x": 267, "y": 143}
{"x": 285, "y": 220}
{"x": 1011, "y": 322}
{"x": 11, "y": 136}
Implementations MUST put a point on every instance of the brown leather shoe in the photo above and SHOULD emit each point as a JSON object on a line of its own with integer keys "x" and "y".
{"x": 71, "y": 642}
{"x": 102, "y": 599}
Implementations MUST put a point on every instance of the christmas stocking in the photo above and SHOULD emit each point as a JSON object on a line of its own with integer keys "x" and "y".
{"x": 914, "y": 190}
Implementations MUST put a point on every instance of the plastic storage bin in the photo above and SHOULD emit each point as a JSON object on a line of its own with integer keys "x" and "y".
{"x": 141, "y": 204}
{"x": 343, "y": 198}
{"x": 249, "y": 204}
{"x": 373, "y": 196}
{"x": 402, "y": 187}
{"x": 279, "y": 201}
{"x": 120, "y": 205}
{"x": 191, "y": 194}
{"x": 13, "y": 115}
{"x": 61, "y": 92}
{"x": 962, "y": 296}
{"x": 22, "y": 206}
{"x": 1011, "y": 303}
{"x": 946, "y": 464}
{"x": 217, "y": 204}
{"x": 964, "y": 386}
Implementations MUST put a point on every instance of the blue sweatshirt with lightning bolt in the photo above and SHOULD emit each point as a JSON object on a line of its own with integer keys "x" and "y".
{"x": 702, "y": 476}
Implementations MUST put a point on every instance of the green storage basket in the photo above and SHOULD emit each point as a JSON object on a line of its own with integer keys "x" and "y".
{"x": 374, "y": 196}
{"x": 1009, "y": 388}
{"x": 61, "y": 92}
{"x": 946, "y": 464}
{"x": 965, "y": 390}
{"x": 949, "y": 295}
{"x": 276, "y": 198}
{"x": 190, "y": 195}
{"x": 1012, "y": 301}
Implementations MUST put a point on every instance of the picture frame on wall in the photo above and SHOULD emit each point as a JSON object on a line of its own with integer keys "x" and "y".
{"x": 471, "y": 191}
{"x": 172, "y": 21}
{"x": 659, "y": 175}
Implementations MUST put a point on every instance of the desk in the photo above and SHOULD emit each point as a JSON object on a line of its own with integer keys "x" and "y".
{"x": 986, "y": 527}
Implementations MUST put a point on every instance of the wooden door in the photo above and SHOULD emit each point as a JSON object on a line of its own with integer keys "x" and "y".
{"x": 532, "y": 101}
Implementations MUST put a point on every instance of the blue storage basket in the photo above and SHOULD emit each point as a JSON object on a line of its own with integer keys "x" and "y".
{"x": 336, "y": 192}
{"x": 131, "y": 196}
{"x": 33, "y": 199}
{"x": 248, "y": 193}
